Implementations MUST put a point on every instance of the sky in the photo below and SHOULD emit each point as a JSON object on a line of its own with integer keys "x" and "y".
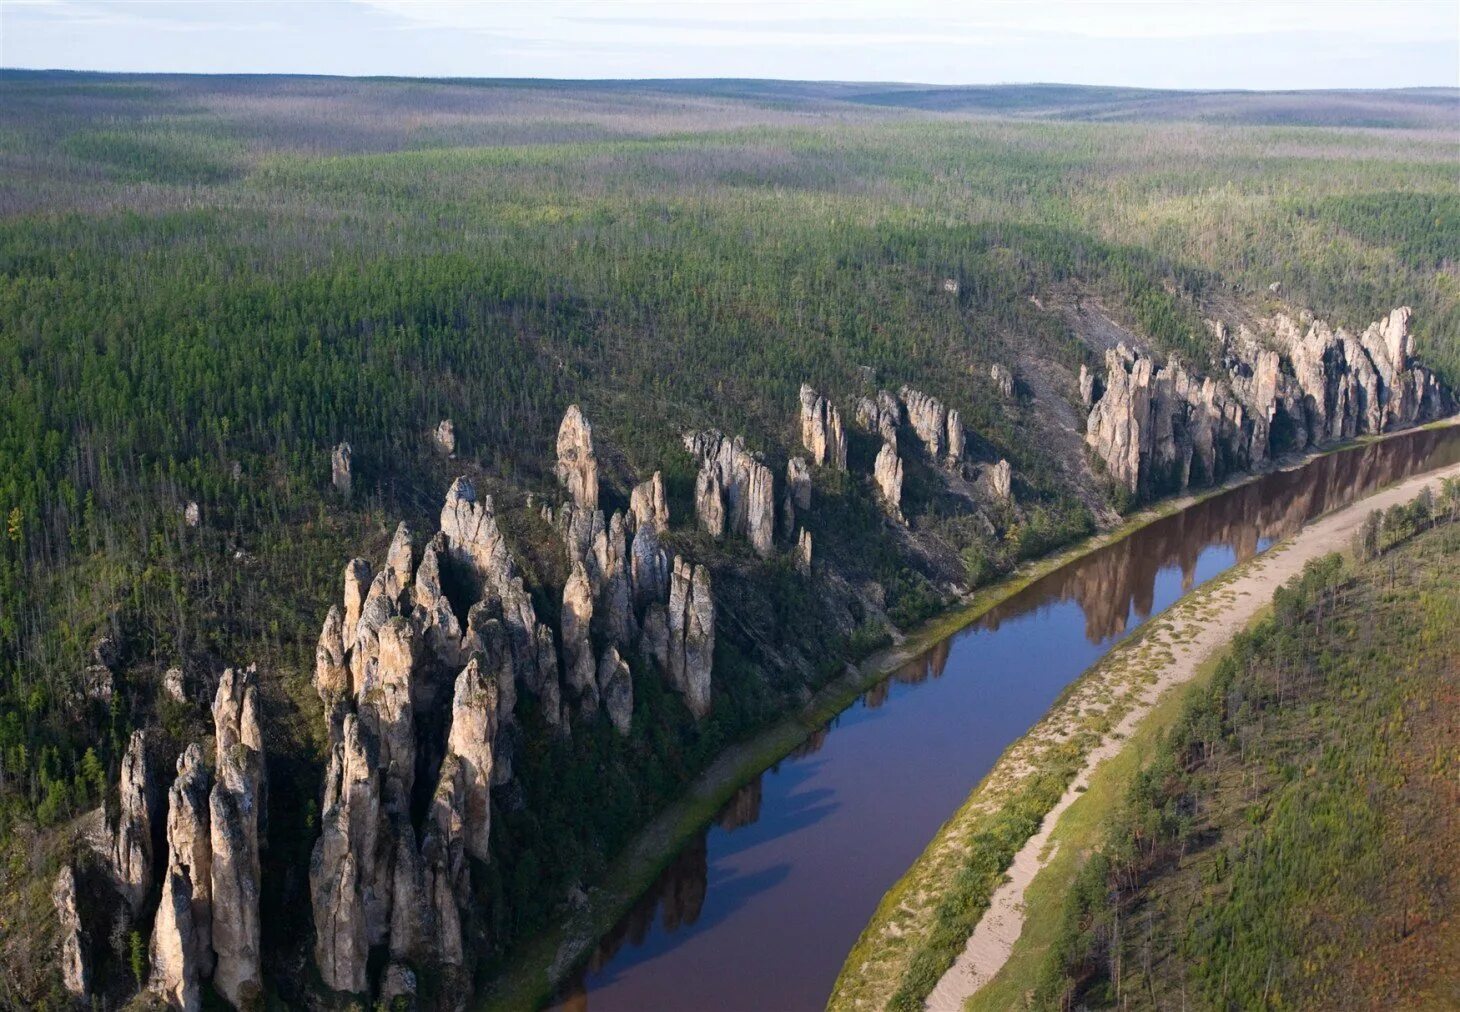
{"x": 1152, "y": 43}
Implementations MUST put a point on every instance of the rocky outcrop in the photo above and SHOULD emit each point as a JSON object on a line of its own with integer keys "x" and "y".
{"x": 340, "y": 474}
{"x": 648, "y": 505}
{"x": 1001, "y": 480}
{"x": 181, "y": 951}
{"x": 1087, "y": 386}
{"x": 445, "y": 437}
{"x": 887, "y": 473}
{"x": 798, "y": 482}
{"x": 579, "y": 665}
{"x": 236, "y": 808}
{"x": 616, "y": 689}
{"x": 956, "y": 438}
{"x": 74, "y": 956}
{"x": 650, "y": 568}
{"x": 710, "y": 502}
{"x": 343, "y": 875}
{"x": 821, "y": 430}
{"x": 331, "y": 672}
{"x": 133, "y": 839}
{"x": 691, "y": 634}
{"x": 880, "y": 415}
{"x": 735, "y": 491}
{"x": 928, "y": 418}
{"x": 475, "y": 545}
{"x": 577, "y": 464}
{"x": 1164, "y": 428}
{"x": 474, "y": 719}
{"x": 803, "y": 552}
{"x": 1002, "y": 378}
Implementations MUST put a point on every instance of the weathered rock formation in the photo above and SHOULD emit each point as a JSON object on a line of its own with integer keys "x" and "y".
{"x": 1164, "y": 428}
{"x": 648, "y": 504}
{"x": 182, "y": 934}
{"x": 340, "y": 475}
{"x": 133, "y": 837}
{"x": 236, "y": 808}
{"x": 803, "y": 552}
{"x": 798, "y": 482}
{"x": 1001, "y": 479}
{"x": 691, "y": 646}
{"x": 735, "y": 491}
{"x": 616, "y": 689}
{"x": 880, "y": 415}
{"x": 75, "y": 964}
{"x": 577, "y": 463}
{"x": 445, "y": 437}
{"x": 579, "y": 665}
{"x": 940, "y": 430}
{"x": 887, "y": 473}
{"x": 1087, "y": 386}
{"x": 343, "y": 875}
{"x": 1003, "y": 379}
{"x": 821, "y": 430}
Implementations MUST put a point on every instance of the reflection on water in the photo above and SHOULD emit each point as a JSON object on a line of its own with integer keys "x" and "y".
{"x": 759, "y": 909}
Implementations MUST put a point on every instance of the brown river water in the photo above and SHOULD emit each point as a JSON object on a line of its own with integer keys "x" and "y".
{"x": 760, "y": 908}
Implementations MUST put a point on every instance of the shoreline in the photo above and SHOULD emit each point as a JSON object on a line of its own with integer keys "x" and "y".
{"x": 541, "y": 965}
{"x": 1199, "y": 628}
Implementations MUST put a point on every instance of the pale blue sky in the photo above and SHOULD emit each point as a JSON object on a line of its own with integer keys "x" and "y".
{"x": 1156, "y": 43}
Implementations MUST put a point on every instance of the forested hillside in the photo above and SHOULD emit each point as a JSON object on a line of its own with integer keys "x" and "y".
{"x": 206, "y": 284}
{"x": 1292, "y": 842}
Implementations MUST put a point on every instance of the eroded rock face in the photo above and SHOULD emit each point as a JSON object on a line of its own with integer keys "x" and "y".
{"x": 710, "y": 502}
{"x": 616, "y": 688}
{"x": 746, "y": 506}
{"x": 1001, "y": 480}
{"x": 133, "y": 841}
{"x": 181, "y": 951}
{"x": 578, "y": 660}
{"x": 357, "y": 585}
{"x": 474, "y": 718}
{"x": 1087, "y": 386}
{"x": 75, "y": 966}
{"x": 650, "y": 568}
{"x": 887, "y": 473}
{"x": 880, "y": 415}
{"x": 340, "y": 468}
{"x": 475, "y": 544}
{"x": 803, "y": 552}
{"x": 445, "y": 437}
{"x": 1002, "y": 378}
{"x": 577, "y": 463}
{"x": 1159, "y": 429}
{"x": 331, "y": 672}
{"x": 343, "y": 875}
{"x": 648, "y": 505}
{"x": 691, "y": 634}
{"x": 236, "y": 808}
{"x": 821, "y": 430}
{"x": 955, "y": 438}
{"x": 929, "y": 419}
{"x": 798, "y": 482}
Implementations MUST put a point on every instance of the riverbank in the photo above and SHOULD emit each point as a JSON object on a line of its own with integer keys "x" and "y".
{"x": 538, "y": 969}
{"x": 949, "y": 924}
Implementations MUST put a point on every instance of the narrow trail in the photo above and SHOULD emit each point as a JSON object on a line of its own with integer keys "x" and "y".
{"x": 1198, "y": 631}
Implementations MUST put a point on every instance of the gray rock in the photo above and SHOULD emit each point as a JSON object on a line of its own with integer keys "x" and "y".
{"x": 577, "y": 464}
{"x": 340, "y": 474}
{"x": 1003, "y": 379}
{"x": 648, "y": 505}
{"x": 691, "y": 629}
{"x": 578, "y": 660}
{"x": 132, "y": 841}
{"x": 821, "y": 430}
{"x": 616, "y": 688}
{"x": 181, "y": 950}
{"x": 798, "y": 482}
{"x": 75, "y": 964}
{"x": 887, "y": 473}
{"x": 445, "y": 437}
{"x": 236, "y": 808}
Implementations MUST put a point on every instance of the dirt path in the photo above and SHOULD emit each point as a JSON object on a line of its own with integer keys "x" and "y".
{"x": 1197, "y": 627}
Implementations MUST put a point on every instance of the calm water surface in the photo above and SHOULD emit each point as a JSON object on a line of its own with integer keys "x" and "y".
{"x": 760, "y": 909}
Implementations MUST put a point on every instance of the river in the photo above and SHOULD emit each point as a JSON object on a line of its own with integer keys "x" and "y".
{"x": 759, "y": 910}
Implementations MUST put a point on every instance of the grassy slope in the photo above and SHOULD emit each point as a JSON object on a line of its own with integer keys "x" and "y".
{"x": 1317, "y": 845}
